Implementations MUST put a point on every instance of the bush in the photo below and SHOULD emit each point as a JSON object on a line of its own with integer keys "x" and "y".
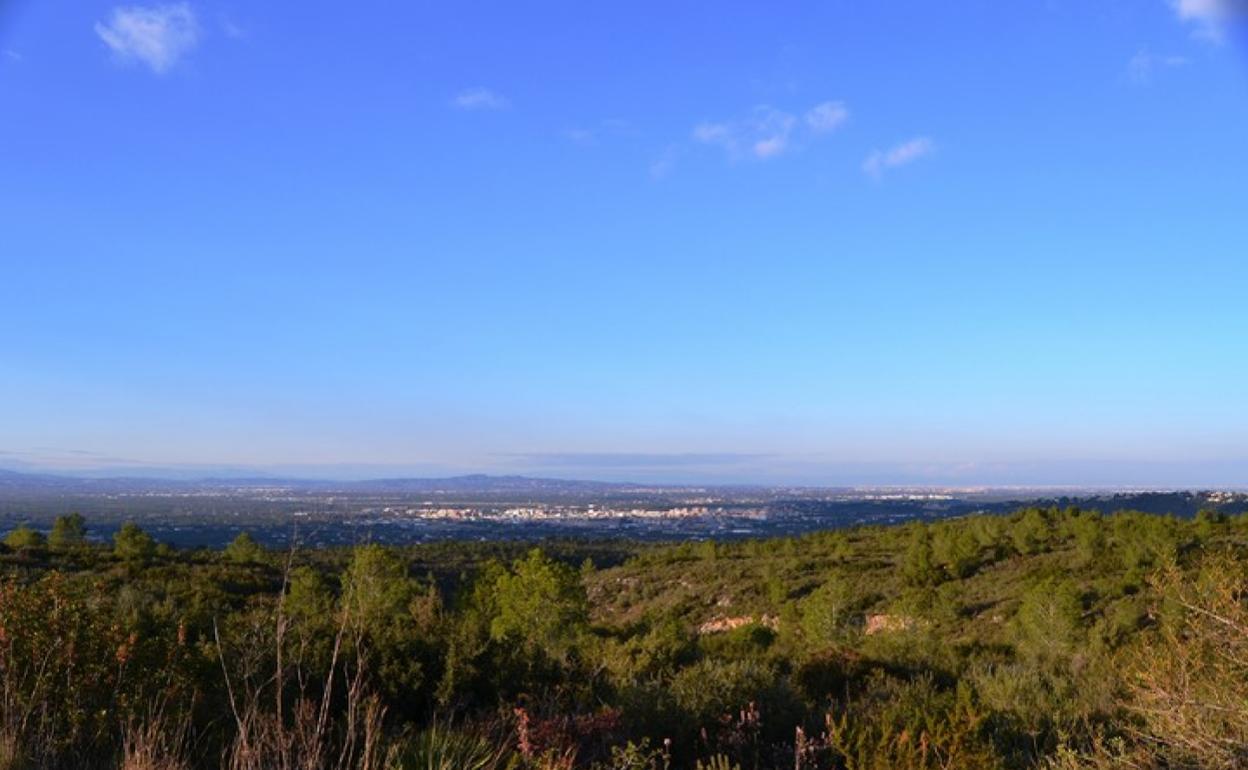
{"x": 541, "y": 604}
{"x": 68, "y": 532}
{"x": 442, "y": 748}
{"x": 243, "y": 549}
{"x": 828, "y": 614}
{"x": 1030, "y": 532}
{"x": 132, "y": 544}
{"x": 23, "y": 538}
{"x": 912, "y": 725}
{"x": 919, "y": 565}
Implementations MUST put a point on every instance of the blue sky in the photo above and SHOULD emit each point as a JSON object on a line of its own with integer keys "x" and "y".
{"x": 846, "y": 242}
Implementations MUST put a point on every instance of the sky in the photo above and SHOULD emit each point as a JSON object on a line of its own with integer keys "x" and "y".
{"x": 821, "y": 243}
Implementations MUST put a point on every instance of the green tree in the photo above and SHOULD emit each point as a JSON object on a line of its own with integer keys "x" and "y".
{"x": 1030, "y": 532}
{"x": 1144, "y": 540}
{"x": 541, "y": 604}
{"x": 308, "y": 597}
{"x": 1048, "y": 622}
{"x": 132, "y": 544}
{"x": 1089, "y": 532}
{"x": 376, "y": 588}
{"x": 956, "y": 549}
{"x": 68, "y": 532}
{"x": 1208, "y": 521}
{"x": 244, "y": 550}
{"x": 23, "y": 538}
{"x": 919, "y": 566}
{"x": 827, "y": 612}
{"x": 382, "y": 603}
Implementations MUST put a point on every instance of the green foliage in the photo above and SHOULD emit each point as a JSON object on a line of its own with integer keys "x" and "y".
{"x": 381, "y": 605}
{"x": 375, "y": 587}
{"x": 956, "y": 550}
{"x": 828, "y": 614}
{"x": 1048, "y": 622}
{"x": 132, "y": 544}
{"x": 68, "y": 531}
{"x": 983, "y": 642}
{"x": 541, "y": 605}
{"x": 442, "y": 748}
{"x": 635, "y": 756}
{"x": 712, "y": 689}
{"x": 919, "y": 564}
{"x": 1144, "y": 541}
{"x": 1030, "y": 532}
{"x": 1208, "y": 521}
{"x": 908, "y": 725}
{"x": 23, "y": 538}
{"x": 1089, "y": 535}
{"x": 243, "y": 549}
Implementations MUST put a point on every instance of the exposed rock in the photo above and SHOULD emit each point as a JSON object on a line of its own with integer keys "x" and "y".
{"x": 719, "y": 625}
{"x": 882, "y": 623}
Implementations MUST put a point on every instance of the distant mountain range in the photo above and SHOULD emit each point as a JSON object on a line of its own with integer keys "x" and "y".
{"x": 16, "y": 481}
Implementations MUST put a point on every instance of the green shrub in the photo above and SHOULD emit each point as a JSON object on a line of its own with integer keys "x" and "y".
{"x": 68, "y": 532}
{"x": 132, "y": 544}
{"x": 24, "y": 538}
{"x": 243, "y": 549}
{"x": 442, "y": 748}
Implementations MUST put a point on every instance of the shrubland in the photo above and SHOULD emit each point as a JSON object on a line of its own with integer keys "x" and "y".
{"x": 1048, "y": 638}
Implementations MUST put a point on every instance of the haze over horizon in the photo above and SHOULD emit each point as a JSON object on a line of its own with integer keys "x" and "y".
{"x": 895, "y": 243}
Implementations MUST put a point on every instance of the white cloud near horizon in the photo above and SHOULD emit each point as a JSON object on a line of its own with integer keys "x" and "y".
{"x": 880, "y": 161}
{"x": 156, "y": 35}
{"x": 768, "y": 132}
{"x": 480, "y": 99}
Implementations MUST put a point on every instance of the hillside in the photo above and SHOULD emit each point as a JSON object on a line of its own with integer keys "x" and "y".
{"x": 1048, "y": 638}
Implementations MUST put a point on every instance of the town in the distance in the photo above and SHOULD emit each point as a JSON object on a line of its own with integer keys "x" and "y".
{"x": 282, "y": 512}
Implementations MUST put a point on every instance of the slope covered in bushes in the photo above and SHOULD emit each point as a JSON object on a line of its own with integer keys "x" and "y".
{"x": 1047, "y": 638}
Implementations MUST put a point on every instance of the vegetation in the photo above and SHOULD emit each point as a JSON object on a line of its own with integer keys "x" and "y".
{"x": 1049, "y": 638}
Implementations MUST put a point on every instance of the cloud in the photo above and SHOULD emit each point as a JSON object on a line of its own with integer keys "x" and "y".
{"x": 480, "y": 99}
{"x": 590, "y": 135}
{"x": 765, "y": 134}
{"x": 663, "y": 165}
{"x": 1210, "y": 17}
{"x": 826, "y": 117}
{"x": 1141, "y": 67}
{"x": 897, "y": 156}
{"x": 769, "y": 132}
{"x": 581, "y": 136}
{"x": 12, "y": 55}
{"x": 156, "y": 35}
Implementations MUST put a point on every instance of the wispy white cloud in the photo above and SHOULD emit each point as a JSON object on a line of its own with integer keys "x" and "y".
{"x": 1143, "y": 65}
{"x": 765, "y": 134}
{"x": 155, "y": 35}
{"x": 768, "y": 132}
{"x": 1210, "y": 17}
{"x": 12, "y": 55}
{"x": 826, "y": 117}
{"x": 589, "y": 135}
{"x": 880, "y": 161}
{"x": 581, "y": 136}
{"x": 663, "y": 165}
{"x": 480, "y": 99}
